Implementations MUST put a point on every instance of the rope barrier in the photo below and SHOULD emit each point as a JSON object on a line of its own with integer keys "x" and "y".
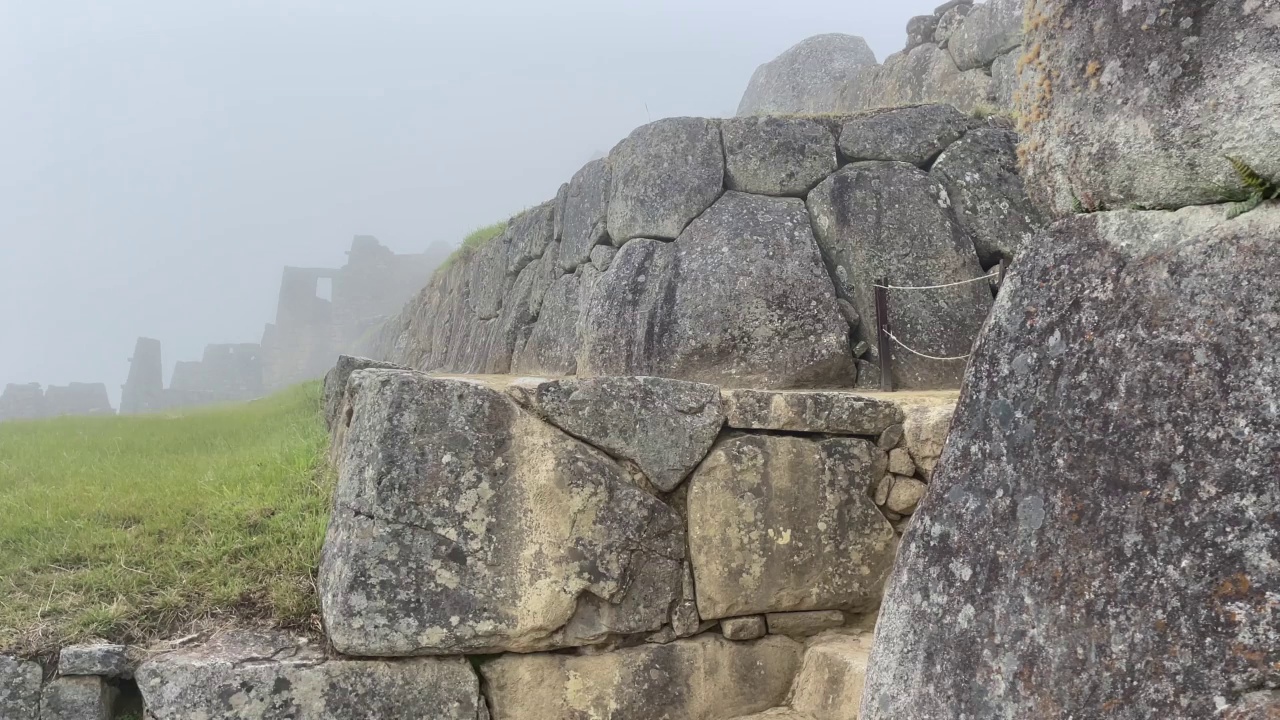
{"x": 924, "y": 355}
{"x": 938, "y": 287}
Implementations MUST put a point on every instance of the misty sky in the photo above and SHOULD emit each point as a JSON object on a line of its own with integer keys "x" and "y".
{"x": 162, "y": 160}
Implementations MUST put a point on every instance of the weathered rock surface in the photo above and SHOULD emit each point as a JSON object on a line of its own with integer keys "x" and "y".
{"x": 19, "y": 688}
{"x": 665, "y": 426}
{"x": 77, "y": 698}
{"x": 740, "y": 299}
{"x": 1005, "y": 77}
{"x": 798, "y": 625}
{"x": 988, "y": 31}
{"x": 783, "y": 524}
{"x": 464, "y": 524}
{"x": 1136, "y": 103}
{"x": 905, "y": 495}
{"x": 529, "y": 234}
{"x": 947, "y": 24}
{"x": 707, "y": 677}
{"x": 335, "y": 383}
{"x": 602, "y": 257}
{"x": 921, "y": 29}
{"x": 1262, "y": 705}
{"x": 890, "y": 220}
{"x": 1106, "y": 504}
{"x": 830, "y": 682}
{"x": 663, "y": 176}
{"x": 777, "y": 155}
{"x": 925, "y": 431}
{"x": 488, "y": 277}
{"x": 554, "y": 340}
{"x": 980, "y": 173}
{"x": 808, "y": 77}
{"x": 750, "y": 627}
{"x": 913, "y": 135}
{"x": 923, "y": 74}
{"x": 833, "y": 412}
{"x": 586, "y": 210}
{"x": 267, "y": 676}
{"x": 107, "y": 660}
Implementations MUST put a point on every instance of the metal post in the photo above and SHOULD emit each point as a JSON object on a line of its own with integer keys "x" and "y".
{"x": 882, "y": 334}
{"x": 1004, "y": 268}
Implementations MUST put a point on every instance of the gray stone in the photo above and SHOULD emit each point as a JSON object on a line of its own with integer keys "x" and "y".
{"x": 989, "y": 31}
{"x": 1109, "y": 486}
{"x": 831, "y": 680}
{"x": 1136, "y": 103}
{"x": 586, "y": 211}
{"x": 77, "y": 698}
{"x": 803, "y": 624}
{"x": 19, "y": 688}
{"x": 882, "y": 490}
{"x": 555, "y": 338}
{"x": 947, "y": 24}
{"x": 946, "y": 7}
{"x": 269, "y": 676}
{"x": 740, "y": 299}
{"x": 777, "y": 155}
{"x": 335, "y": 383}
{"x": 777, "y": 713}
{"x": 980, "y": 173}
{"x": 783, "y": 524}
{"x": 530, "y": 233}
{"x": 1261, "y": 705}
{"x": 562, "y": 199}
{"x": 900, "y": 462}
{"x": 750, "y": 627}
{"x": 905, "y": 495}
{"x": 664, "y": 426}
{"x": 107, "y": 660}
{"x": 1005, "y": 79}
{"x": 487, "y": 281}
{"x": 890, "y": 220}
{"x": 834, "y": 412}
{"x": 464, "y": 524}
{"x": 925, "y": 432}
{"x": 806, "y": 78}
{"x": 920, "y": 30}
{"x": 706, "y": 677}
{"x": 923, "y": 74}
{"x": 850, "y": 313}
{"x": 890, "y": 438}
{"x": 663, "y": 176}
{"x": 914, "y": 135}
{"x": 602, "y": 256}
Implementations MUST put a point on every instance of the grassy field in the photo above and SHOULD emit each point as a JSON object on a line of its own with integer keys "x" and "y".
{"x": 139, "y": 527}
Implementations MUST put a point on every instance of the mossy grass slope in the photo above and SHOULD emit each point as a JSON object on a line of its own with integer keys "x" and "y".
{"x": 143, "y": 527}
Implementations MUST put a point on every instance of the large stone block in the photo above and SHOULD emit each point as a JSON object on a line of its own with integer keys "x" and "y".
{"x": 833, "y": 412}
{"x": 586, "y": 210}
{"x": 1136, "y": 102}
{"x": 777, "y": 155}
{"x": 464, "y": 524}
{"x": 807, "y": 78}
{"x": 980, "y": 173}
{"x": 77, "y": 698}
{"x": 784, "y": 524}
{"x": 1099, "y": 531}
{"x": 105, "y": 659}
{"x": 830, "y": 682}
{"x": 487, "y": 281}
{"x": 890, "y": 220}
{"x": 923, "y": 74}
{"x": 267, "y": 676}
{"x": 554, "y": 339}
{"x": 913, "y": 135}
{"x": 19, "y": 688}
{"x": 663, "y": 176}
{"x": 988, "y": 31}
{"x": 335, "y": 383}
{"x": 529, "y": 235}
{"x": 706, "y": 677}
{"x": 664, "y": 426}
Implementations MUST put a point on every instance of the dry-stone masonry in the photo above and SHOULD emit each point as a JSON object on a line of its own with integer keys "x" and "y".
{"x": 739, "y": 253}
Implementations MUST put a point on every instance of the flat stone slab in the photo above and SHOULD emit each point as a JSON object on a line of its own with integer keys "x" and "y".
{"x": 834, "y": 412}
{"x": 107, "y": 660}
{"x": 831, "y": 681}
{"x": 707, "y": 677}
{"x": 269, "y": 676}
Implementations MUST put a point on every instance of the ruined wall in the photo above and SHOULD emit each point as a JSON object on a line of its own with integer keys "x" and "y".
{"x": 963, "y": 54}
{"x": 740, "y": 252}
{"x": 31, "y": 402}
{"x": 227, "y": 373}
{"x": 310, "y": 331}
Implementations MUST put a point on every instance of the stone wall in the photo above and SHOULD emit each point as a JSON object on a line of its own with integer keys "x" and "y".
{"x": 742, "y": 253}
{"x": 227, "y": 373}
{"x": 310, "y": 331}
{"x": 30, "y": 402}
{"x": 964, "y": 54}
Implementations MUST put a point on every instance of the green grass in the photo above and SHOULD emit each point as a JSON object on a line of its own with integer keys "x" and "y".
{"x": 472, "y": 242}
{"x": 140, "y": 527}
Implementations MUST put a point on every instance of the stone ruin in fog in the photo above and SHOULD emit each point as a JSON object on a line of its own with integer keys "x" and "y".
{"x": 31, "y": 402}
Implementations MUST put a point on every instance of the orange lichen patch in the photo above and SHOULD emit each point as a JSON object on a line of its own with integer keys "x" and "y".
{"x": 1092, "y": 69}
{"x": 1234, "y": 587}
{"x": 1250, "y": 655}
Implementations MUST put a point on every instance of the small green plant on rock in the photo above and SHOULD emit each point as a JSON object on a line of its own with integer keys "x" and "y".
{"x": 1256, "y": 189}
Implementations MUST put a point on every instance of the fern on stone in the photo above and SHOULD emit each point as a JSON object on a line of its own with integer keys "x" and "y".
{"x": 1256, "y": 190}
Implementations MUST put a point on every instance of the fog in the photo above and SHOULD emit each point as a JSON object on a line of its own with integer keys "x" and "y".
{"x": 160, "y": 162}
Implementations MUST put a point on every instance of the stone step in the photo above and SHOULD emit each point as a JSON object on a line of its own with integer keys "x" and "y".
{"x": 829, "y": 684}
